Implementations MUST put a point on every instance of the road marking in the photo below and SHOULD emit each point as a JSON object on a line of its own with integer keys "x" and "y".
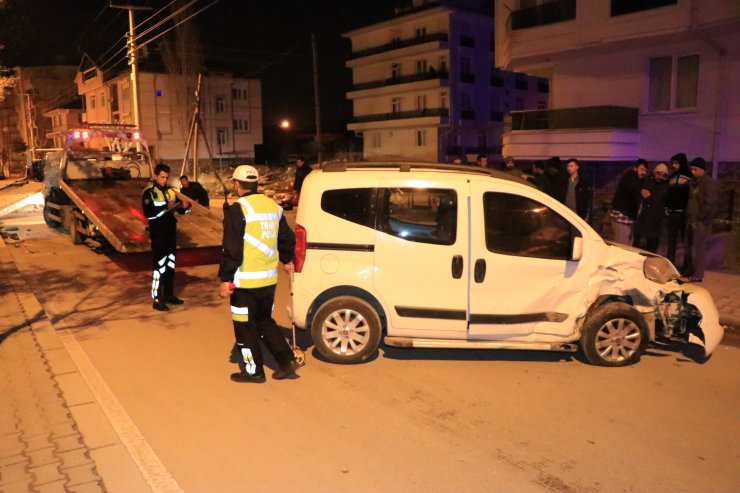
{"x": 141, "y": 452}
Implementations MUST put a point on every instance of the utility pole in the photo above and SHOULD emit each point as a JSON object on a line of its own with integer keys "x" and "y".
{"x": 131, "y": 46}
{"x": 316, "y": 98}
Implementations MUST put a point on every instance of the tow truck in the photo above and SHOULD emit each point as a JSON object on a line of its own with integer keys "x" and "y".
{"x": 93, "y": 186}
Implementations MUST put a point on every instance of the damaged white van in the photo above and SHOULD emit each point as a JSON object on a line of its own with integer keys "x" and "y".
{"x": 440, "y": 256}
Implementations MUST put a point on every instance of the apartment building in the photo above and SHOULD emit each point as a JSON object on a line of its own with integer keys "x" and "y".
{"x": 230, "y": 109}
{"x": 627, "y": 79}
{"x": 22, "y": 123}
{"x": 67, "y": 115}
{"x": 424, "y": 85}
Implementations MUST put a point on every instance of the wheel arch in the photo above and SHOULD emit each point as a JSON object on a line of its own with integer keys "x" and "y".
{"x": 346, "y": 290}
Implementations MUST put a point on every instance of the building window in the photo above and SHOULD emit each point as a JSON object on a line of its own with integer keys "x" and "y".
{"x": 443, "y": 99}
{"x": 395, "y": 105}
{"x": 421, "y": 32}
{"x": 125, "y": 92}
{"x": 674, "y": 83}
{"x": 220, "y": 104}
{"x": 421, "y": 66}
{"x": 92, "y": 102}
{"x": 102, "y": 99}
{"x": 467, "y": 41}
{"x": 375, "y": 139}
{"x": 421, "y": 138}
{"x": 239, "y": 93}
{"x": 241, "y": 125}
{"x": 222, "y": 136}
{"x": 443, "y": 63}
{"x": 465, "y": 65}
{"x": 621, "y": 7}
{"x": 421, "y": 102}
{"x": 395, "y": 70}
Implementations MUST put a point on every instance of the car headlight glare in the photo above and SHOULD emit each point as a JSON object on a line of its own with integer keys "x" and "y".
{"x": 659, "y": 269}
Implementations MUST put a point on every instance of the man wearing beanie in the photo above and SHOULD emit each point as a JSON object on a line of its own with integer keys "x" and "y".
{"x": 676, "y": 201}
{"x": 652, "y": 212}
{"x": 702, "y": 209}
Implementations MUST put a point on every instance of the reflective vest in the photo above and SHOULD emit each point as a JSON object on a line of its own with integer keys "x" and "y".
{"x": 259, "y": 266}
{"x": 159, "y": 200}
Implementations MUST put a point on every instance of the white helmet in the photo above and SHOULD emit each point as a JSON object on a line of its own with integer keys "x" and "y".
{"x": 246, "y": 173}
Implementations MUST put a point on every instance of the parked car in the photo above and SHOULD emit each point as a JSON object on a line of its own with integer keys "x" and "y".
{"x": 451, "y": 257}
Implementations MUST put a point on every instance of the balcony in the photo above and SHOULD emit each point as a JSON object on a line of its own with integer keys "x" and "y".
{"x": 429, "y": 75}
{"x": 399, "y": 43}
{"x": 587, "y": 117}
{"x": 399, "y": 115}
{"x": 622, "y": 7}
{"x": 547, "y": 13}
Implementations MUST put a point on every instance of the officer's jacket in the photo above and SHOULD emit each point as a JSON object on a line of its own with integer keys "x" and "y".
{"x": 256, "y": 236}
{"x": 154, "y": 204}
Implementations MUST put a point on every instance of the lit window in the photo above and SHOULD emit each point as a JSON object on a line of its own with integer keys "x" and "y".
{"x": 674, "y": 83}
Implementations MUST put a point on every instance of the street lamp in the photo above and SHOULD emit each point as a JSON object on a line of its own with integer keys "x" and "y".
{"x": 285, "y": 124}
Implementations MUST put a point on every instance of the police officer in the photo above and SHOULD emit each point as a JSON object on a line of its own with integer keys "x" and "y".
{"x": 256, "y": 236}
{"x": 159, "y": 203}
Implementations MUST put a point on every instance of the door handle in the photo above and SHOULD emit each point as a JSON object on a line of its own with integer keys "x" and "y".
{"x": 457, "y": 266}
{"x": 479, "y": 273}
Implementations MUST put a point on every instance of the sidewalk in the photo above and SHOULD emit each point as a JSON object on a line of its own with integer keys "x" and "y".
{"x": 54, "y": 437}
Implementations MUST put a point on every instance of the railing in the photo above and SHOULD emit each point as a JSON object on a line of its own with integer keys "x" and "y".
{"x": 429, "y": 75}
{"x": 576, "y": 118}
{"x": 547, "y": 13}
{"x": 622, "y": 7}
{"x": 399, "y": 115}
{"x": 400, "y": 43}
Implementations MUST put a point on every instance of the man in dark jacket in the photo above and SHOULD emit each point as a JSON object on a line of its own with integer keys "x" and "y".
{"x": 557, "y": 181}
{"x": 578, "y": 194}
{"x": 702, "y": 209}
{"x": 256, "y": 237}
{"x": 676, "y": 202}
{"x": 194, "y": 190}
{"x": 652, "y": 209}
{"x": 626, "y": 202}
{"x": 301, "y": 172}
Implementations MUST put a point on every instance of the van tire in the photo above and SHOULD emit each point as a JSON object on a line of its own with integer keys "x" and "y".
{"x": 614, "y": 334}
{"x": 360, "y": 322}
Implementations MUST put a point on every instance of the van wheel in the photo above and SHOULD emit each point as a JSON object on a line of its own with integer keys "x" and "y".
{"x": 346, "y": 330}
{"x": 615, "y": 334}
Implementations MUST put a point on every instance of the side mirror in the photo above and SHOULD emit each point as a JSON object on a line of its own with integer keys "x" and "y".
{"x": 576, "y": 249}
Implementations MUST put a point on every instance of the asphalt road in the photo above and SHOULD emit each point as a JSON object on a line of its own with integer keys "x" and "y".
{"x": 410, "y": 420}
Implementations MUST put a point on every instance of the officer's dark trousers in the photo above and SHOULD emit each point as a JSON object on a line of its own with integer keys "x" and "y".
{"x": 163, "y": 264}
{"x": 251, "y": 311}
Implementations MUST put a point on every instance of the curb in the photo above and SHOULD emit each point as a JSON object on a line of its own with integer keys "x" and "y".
{"x": 112, "y": 460}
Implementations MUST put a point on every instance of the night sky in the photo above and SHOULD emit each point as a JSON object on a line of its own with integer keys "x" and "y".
{"x": 266, "y": 39}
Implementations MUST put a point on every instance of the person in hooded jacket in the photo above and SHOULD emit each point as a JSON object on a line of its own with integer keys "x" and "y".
{"x": 652, "y": 211}
{"x": 676, "y": 202}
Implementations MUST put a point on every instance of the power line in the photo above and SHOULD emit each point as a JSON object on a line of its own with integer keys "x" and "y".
{"x": 171, "y": 16}
{"x": 155, "y": 14}
{"x": 173, "y": 27}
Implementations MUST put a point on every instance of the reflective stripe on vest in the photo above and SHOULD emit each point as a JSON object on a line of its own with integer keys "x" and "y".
{"x": 260, "y": 254}
{"x": 159, "y": 199}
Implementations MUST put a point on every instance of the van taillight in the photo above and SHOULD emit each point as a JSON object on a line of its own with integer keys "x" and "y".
{"x": 300, "y": 247}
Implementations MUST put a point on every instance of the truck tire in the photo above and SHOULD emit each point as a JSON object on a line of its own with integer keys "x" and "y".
{"x": 76, "y": 237}
{"x": 346, "y": 330}
{"x": 52, "y": 223}
{"x": 614, "y": 334}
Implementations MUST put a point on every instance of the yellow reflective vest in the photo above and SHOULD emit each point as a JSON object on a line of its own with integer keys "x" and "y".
{"x": 259, "y": 266}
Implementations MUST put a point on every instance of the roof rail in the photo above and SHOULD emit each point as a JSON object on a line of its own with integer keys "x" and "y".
{"x": 405, "y": 167}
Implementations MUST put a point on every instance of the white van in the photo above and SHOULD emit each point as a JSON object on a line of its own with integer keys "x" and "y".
{"x": 457, "y": 257}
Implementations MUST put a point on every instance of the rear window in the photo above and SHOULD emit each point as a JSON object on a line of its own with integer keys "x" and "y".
{"x": 356, "y": 205}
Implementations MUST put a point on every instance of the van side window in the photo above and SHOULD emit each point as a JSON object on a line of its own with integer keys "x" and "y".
{"x": 419, "y": 214}
{"x": 517, "y": 225}
{"x": 356, "y": 205}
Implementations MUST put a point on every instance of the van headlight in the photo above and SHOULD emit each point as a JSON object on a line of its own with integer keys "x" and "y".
{"x": 659, "y": 269}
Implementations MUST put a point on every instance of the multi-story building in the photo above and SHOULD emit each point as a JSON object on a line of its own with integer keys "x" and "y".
{"x": 36, "y": 90}
{"x": 628, "y": 79}
{"x": 63, "y": 117}
{"x": 230, "y": 110}
{"x": 424, "y": 85}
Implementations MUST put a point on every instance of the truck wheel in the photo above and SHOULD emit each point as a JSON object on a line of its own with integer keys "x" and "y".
{"x": 52, "y": 223}
{"x": 615, "y": 334}
{"x": 346, "y": 330}
{"x": 74, "y": 234}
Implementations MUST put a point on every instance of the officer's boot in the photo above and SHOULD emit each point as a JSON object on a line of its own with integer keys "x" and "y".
{"x": 249, "y": 372}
